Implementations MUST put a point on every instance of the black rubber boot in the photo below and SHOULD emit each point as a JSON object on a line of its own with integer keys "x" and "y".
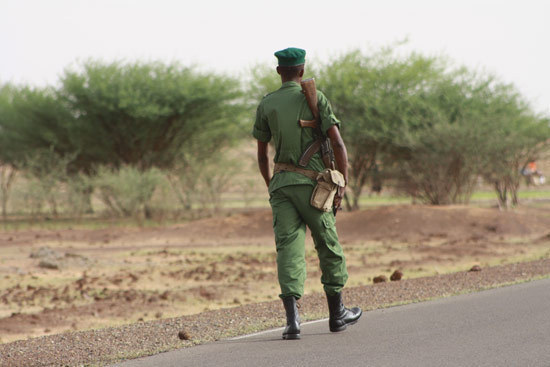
{"x": 292, "y": 329}
{"x": 339, "y": 316}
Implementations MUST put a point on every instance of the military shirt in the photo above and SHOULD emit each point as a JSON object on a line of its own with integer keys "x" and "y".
{"x": 277, "y": 119}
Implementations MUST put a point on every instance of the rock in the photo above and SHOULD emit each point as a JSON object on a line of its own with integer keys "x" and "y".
{"x": 20, "y": 271}
{"x": 77, "y": 260}
{"x": 491, "y": 228}
{"x": 49, "y": 258}
{"x": 475, "y": 268}
{"x": 380, "y": 279}
{"x": 48, "y": 264}
{"x": 46, "y": 253}
{"x": 397, "y": 275}
{"x": 184, "y": 335}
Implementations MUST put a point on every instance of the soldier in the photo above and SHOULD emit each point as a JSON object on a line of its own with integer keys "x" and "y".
{"x": 290, "y": 190}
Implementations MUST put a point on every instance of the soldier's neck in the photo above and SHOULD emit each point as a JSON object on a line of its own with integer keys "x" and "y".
{"x": 296, "y": 79}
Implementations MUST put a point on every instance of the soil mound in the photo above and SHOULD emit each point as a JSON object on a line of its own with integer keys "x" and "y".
{"x": 418, "y": 221}
{"x": 248, "y": 225}
{"x": 400, "y": 222}
{"x": 396, "y": 222}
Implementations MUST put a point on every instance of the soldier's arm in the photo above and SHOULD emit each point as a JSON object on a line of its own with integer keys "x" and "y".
{"x": 263, "y": 161}
{"x": 341, "y": 158}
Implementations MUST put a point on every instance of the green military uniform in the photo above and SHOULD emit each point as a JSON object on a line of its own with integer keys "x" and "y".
{"x": 277, "y": 120}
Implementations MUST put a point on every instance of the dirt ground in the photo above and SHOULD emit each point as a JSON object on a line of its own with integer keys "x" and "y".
{"x": 58, "y": 280}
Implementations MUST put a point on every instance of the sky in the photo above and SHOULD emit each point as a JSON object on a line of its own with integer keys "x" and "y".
{"x": 40, "y": 38}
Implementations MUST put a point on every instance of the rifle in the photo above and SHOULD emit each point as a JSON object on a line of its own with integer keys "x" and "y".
{"x": 321, "y": 142}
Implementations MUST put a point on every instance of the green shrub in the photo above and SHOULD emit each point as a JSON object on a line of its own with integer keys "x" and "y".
{"x": 127, "y": 191}
{"x": 199, "y": 181}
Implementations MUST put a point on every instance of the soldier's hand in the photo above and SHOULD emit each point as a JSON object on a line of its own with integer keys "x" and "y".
{"x": 338, "y": 197}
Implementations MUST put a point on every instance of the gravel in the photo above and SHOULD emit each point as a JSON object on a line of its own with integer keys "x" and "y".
{"x": 106, "y": 346}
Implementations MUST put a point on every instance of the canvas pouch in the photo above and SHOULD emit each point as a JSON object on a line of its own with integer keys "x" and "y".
{"x": 323, "y": 194}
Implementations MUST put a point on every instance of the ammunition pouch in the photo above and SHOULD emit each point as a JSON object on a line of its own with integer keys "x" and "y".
{"x": 323, "y": 194}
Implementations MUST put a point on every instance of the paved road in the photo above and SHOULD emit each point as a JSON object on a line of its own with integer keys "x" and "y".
{"x": 501, "y": 327}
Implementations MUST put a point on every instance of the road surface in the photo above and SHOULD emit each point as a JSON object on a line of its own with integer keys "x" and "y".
{"x": 508, "y": 326}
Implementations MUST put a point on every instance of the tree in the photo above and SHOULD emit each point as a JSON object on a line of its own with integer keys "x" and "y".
{"x": 374, "y": 97}
{"x": 144, "y": 114}
{"x": 439, "y": 154}
{"x": 260, "y": 80}
{"x": 36, "y": 135}
{"x": 430, "y": 128}
{"x": 515, "y": 136}
{"x": 33, "y": 119}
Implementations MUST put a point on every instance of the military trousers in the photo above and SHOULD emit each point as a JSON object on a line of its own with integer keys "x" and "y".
{"x": 291, "y": 213}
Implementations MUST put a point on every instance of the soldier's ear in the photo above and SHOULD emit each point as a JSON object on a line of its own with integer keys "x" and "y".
{"x": 302, "y": 72}
{"x": 278, "y": 70}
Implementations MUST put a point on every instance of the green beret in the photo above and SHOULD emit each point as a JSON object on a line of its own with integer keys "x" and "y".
{"x": 291, "y": 56}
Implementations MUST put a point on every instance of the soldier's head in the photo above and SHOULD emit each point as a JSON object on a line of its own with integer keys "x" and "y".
{"x": 290, "y": 72}
{"x": 291, "y": 63}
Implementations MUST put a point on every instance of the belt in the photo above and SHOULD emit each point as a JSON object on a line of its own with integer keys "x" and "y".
{"x": 288, "y": 167}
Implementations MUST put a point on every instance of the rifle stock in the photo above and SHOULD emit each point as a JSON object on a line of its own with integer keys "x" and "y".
{"x": 310, "y": 92}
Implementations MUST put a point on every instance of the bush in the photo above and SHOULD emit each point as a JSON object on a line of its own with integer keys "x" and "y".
{"x": 78, "y": 195}
{"x": 201, "y": 181}
{"x": 127, "y": 191}
{"x": 45, "y": 172}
